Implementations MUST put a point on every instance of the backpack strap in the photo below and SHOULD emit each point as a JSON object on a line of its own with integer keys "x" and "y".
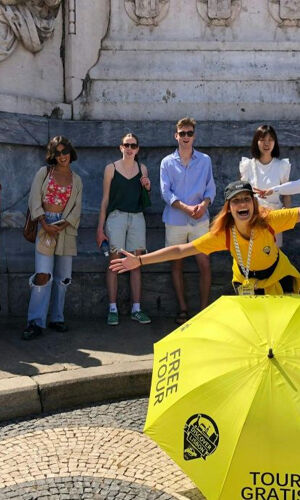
{"x": 49, "y": 170}
{"x": 227, "y": 232}
{"x": 139, "y": 165}
{"x": 272, "y": 232}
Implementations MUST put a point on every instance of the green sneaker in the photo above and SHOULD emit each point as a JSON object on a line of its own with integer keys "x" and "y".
{"x": 140, "y": 317}
{"x": 112, "y": 318}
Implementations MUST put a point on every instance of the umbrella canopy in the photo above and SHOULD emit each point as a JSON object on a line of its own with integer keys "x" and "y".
{"x": 224, "y": 400}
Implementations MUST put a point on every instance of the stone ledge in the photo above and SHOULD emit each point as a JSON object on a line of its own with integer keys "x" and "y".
{"x": 36, "y": 107}
{"x": 201, "y": 46}
{"x": 19, "y": 397}
{"x": 32, "y": 130}
{"x": 24, "y": 396}
{"x": 91, "y": 385}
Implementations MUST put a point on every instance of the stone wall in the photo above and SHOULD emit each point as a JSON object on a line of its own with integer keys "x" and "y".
{"x": 22, "y": 148}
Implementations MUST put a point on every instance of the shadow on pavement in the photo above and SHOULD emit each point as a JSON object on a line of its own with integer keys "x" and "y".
{"x": 86, "y": 344}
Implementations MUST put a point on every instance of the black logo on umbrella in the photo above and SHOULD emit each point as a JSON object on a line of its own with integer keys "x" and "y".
{"x": 201, "y": 437}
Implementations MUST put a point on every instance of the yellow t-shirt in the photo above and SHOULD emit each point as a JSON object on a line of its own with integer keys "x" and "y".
{"x": 264, "y": 252}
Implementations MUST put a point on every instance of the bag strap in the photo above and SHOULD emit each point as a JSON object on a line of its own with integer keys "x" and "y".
{"x": 227, "y": 232}
{"x": 139, "y": 165}
{"x": 272, "y": 232}
{"x": 49, "y": 169}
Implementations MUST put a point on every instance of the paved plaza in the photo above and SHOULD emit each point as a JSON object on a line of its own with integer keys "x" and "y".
{"x": 96, "y": 452}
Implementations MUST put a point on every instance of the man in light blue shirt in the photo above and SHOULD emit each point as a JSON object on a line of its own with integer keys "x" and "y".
{"x": 188, "y": 188}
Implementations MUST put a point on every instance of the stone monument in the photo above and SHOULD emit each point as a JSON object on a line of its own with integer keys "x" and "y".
{"x": 150, "y": 59}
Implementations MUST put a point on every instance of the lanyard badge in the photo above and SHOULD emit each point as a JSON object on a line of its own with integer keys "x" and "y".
{"x": 246, "y": 288}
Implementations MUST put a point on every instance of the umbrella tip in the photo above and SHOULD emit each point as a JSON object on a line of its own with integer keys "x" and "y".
{"x": 270, "y": 354}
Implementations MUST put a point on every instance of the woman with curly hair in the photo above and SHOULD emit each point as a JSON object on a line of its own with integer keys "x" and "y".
{"x": 55, "y": 200}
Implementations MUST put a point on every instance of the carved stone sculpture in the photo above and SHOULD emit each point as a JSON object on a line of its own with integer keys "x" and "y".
{"x": 218, "y": 12}
{"x": 219, "y": 9}
{"x": 285, "y": 12}
{"x": 30, "y": 22}
{"x": 147, "y": 12}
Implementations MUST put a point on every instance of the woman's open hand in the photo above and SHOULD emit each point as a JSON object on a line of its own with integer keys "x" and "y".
{"x": 128, "y": 263}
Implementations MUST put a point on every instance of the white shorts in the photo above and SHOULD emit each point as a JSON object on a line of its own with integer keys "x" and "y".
{"x": 176, "y": 235}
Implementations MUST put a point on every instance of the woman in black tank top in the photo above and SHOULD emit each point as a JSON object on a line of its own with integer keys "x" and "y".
{"x": 122, "y": 223}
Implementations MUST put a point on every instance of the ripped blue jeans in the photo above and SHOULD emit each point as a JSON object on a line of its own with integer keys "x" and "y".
{"x": 59, "y": 269}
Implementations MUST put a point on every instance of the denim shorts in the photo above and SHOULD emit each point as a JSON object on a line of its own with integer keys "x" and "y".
{"x": 126, "y": 230}
{"x": 51, "y": 217}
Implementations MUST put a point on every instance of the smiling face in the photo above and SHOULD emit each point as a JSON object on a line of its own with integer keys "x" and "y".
{"x": 266, "y": 144}
{"x": 241, "y": 207}
{"x": 185, "y": 136}
{"x": 129, "y": 147}
{"x": 62, "y": 155}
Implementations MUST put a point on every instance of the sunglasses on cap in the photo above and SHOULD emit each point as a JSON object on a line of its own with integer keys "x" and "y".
{"x": 63, "y": 152}
{"x": 128, "y": 145}
{"x": 189, "y": 133}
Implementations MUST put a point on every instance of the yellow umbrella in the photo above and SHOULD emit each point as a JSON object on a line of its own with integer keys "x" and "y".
{"x": 224, "y": 400}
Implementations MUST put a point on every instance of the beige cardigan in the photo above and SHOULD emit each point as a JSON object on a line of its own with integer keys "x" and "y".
{"x": 66, "y": 241}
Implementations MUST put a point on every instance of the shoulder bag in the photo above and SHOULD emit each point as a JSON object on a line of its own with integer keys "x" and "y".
{"x": 145, "y": 198}
{"x": 30, "y": 226}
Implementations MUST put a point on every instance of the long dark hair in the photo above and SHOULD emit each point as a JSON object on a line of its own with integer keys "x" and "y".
{"x": 51, "y": 149}
{"x": 260, "y": 133}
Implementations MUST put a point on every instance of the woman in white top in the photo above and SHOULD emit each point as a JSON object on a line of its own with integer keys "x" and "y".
{"x": 265, "y": 169}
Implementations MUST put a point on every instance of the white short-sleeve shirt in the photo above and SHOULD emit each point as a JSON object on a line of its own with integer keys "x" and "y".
{"x": 265, "y": 177}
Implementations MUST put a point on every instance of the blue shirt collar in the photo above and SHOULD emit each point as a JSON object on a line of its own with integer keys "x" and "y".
{"x": 177, "y": 155}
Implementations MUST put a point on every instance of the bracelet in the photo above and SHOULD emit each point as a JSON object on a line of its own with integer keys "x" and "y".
{"x": 140, "y": 259}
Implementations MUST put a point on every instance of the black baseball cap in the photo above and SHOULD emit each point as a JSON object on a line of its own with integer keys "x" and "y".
{"x": 237, "y": 187}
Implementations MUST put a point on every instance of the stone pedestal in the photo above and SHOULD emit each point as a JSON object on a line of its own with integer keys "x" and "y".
{"x": 31, "y": 67}
{"x": 151, "y": 59}
{"x": 225, "y": 60}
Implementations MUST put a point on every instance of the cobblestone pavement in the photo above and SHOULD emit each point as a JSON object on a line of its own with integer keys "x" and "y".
{"x": 98, "y": 452}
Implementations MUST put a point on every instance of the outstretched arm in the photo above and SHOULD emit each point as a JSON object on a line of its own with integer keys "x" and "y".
{"x": 132, "y": 261}
{"x": 292, "y": 187}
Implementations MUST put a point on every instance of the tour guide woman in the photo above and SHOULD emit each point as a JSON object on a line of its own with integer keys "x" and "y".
{"x": 248, "y": 232}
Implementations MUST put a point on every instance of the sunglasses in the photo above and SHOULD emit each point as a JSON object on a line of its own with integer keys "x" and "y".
{"x": 63, "y": 152}
{"x": 189, "y": 133}
{"x": 132, "y": 146}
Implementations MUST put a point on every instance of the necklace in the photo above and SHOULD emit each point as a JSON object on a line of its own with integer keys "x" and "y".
{"x": 238, "y": 252}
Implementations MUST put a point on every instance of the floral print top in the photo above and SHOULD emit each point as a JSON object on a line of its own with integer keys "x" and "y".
{"x": 56, "y": 194}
